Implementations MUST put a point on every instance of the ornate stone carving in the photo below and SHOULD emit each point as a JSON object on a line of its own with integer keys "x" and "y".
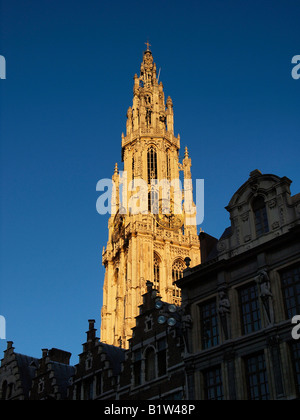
{"x": 272, "y": 203}
{"x": 224, "y": 311}
{"x": 179, "y": 251}
{"x": 159, "y": 246}
{"x": 234, "y": 253}
{"x": 266, "y": 295}
{"x": 281, "y": 212}
{"x": 221, "y": 246}
{"x": 245, "y": 216}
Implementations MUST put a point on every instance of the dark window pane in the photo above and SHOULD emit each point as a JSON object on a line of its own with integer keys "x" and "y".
{"x": 137, "y": 372}
{"x": 162, "y": 362}
{"x": 98, "y": 384}
{"x": 250, "y": 312}
{"x": 295, "y": 347}
{"x": 150, "y": 365}
{"x": 209, "y": 324}
{"x": 260, "y": 216}
{"x": 256, "y": 374}
{"x": 88, "y": 389}
{"x": 213, "y": 386}
{"x": 291, "y": 291}
{"x": 137, "y": 367}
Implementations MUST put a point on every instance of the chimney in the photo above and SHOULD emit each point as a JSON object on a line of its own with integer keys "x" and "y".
{"x": 148, "y": 297}
{"x": 44, "y": 353}
{"x": 60, "y": 356}
{"x": 91, "y": 333}
{"x": 10, "y": 345}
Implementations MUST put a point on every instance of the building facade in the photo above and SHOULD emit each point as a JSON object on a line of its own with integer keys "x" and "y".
{"x": 27, "y": 378}
{"x": 231, "y": 337}
{"x": 243, "y": 297}
{"x": 97, "y": 372}
{"x": 52, "y": 376}
{"x": 16, "y": 374}
{"x": 154, "y": 367}
{"x": 152, "y": 227}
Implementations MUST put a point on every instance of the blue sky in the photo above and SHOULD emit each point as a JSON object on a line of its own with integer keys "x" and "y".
{"x": 70, "y": 66}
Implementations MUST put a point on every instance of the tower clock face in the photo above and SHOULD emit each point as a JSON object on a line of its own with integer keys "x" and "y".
{"x": 166, "y": 218}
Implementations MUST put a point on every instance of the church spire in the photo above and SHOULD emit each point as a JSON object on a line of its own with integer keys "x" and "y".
{"x": 148, "y": 70}
{"x": 146, "y": 245}
{"x": 150, "y": 113}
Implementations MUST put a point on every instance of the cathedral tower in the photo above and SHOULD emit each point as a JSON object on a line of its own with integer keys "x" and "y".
{"x": 152, "y": 243}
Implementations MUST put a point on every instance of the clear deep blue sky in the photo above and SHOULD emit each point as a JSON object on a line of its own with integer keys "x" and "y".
{"x": 70, "y": 66}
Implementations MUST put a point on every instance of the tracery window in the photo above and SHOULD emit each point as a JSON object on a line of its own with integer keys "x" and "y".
{"x": 177, "y": 273}
{"x": 156, "y": 279}
{"x": 132, "y": 168}
{"x": 152, "y": 164}
{"x": 168, "y": 157}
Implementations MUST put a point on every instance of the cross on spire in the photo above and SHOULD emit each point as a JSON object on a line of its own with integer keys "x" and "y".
{"x": 148, "y": 45}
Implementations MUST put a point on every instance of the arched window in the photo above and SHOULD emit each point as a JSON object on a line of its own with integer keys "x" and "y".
{"x": 10, "y": 391}
{"x": 168, "y": 157}
{"x": 152, "y": 164}
{"x": 156, "y": 278}
{"x": 132, "y": 167}
{"x": 4, "y": 391}
{"x": 177, "y": 273}
{"x": 153, "y": 200}
{"x": 150, "y": 365}
{"x": 260, "y": 216}
{"x": 116, "y": 276}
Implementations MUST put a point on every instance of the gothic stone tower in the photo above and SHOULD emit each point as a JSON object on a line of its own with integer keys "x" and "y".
{"x": 144, "y": 246}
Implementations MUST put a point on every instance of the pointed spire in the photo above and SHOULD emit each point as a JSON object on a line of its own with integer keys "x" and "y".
{"x": 116, "y": 169}
{"x": 187, "y": 163}
{"x": 186, "y": 153}
{"x": 147, "y": 69}
{"x": 169, "y": 102}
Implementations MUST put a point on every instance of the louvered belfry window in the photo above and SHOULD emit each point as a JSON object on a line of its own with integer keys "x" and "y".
{"x": 152, "y": 164}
